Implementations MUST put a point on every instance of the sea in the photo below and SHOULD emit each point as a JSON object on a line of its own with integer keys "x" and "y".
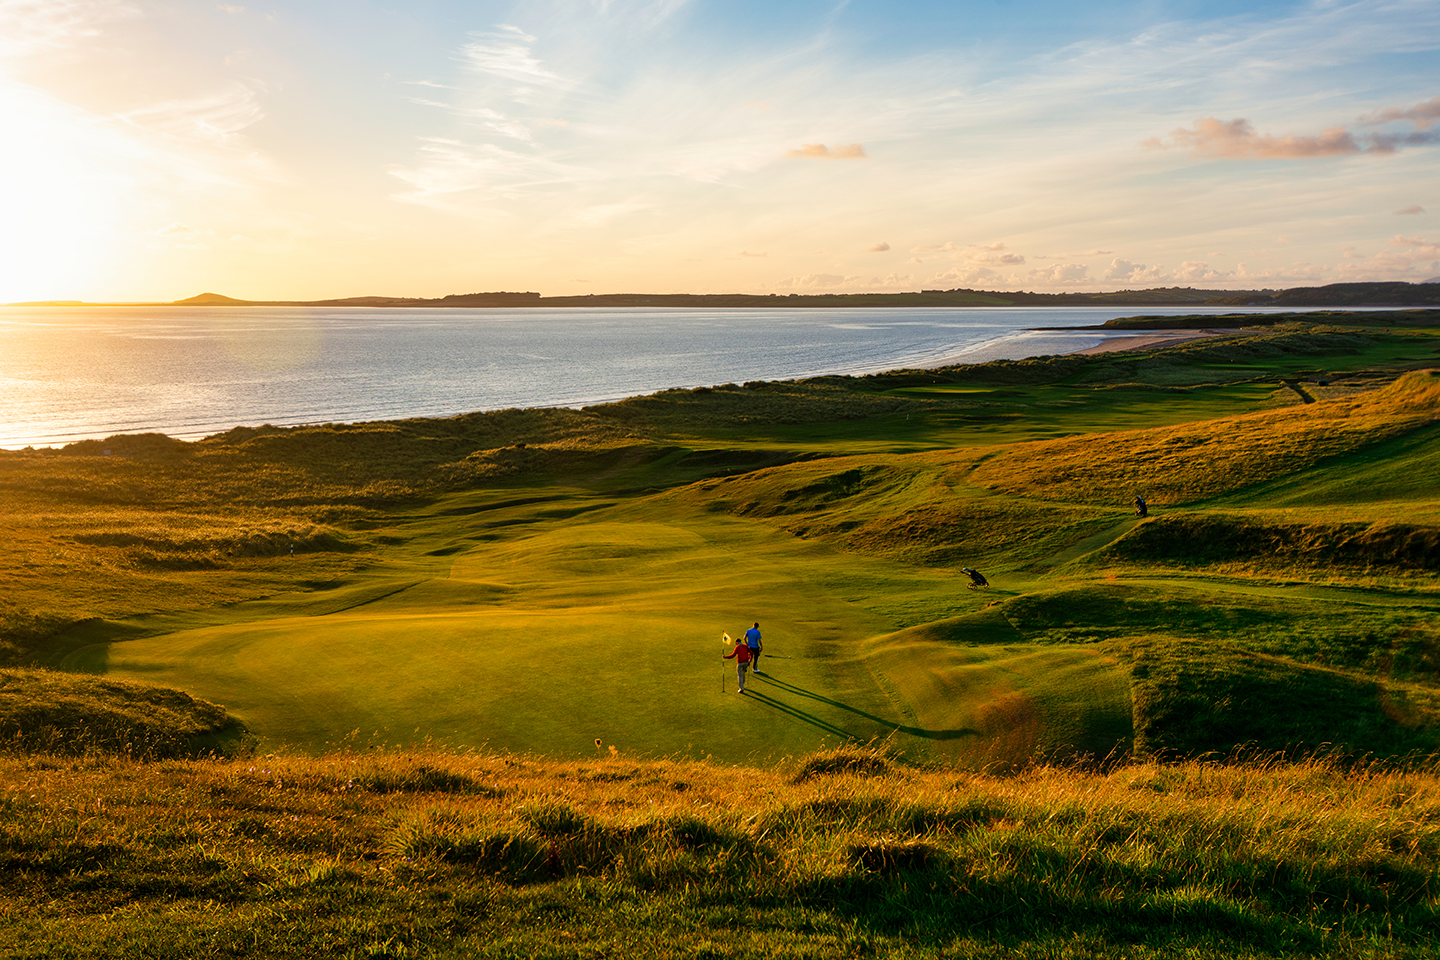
{"x": 75, "y": 373}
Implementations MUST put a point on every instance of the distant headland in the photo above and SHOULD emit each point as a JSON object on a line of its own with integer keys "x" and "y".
{"x": 1332, "y": 295}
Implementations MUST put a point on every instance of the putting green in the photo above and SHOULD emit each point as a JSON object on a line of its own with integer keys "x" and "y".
{"x": 543, "y": 642}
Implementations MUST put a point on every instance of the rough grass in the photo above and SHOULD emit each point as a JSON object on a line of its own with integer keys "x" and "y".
{"x": 47, "y": 711}
{"x": 359, "y": 854}
{"x": 1195, "y": 698}
{"x": 1185, "y": 464}
{"x": 1206, "y": 539}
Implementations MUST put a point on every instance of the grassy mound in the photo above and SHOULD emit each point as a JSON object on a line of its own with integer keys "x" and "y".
{"x": 43, "y": 710}
{"x": 1198, "y": 540}
{"x": 1194, "y": 698}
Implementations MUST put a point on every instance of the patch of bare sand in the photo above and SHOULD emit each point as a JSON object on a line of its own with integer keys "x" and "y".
{"x": 1150, "y": 339}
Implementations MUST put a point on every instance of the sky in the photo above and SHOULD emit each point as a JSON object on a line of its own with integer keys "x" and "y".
{"x": 308, "y": 149}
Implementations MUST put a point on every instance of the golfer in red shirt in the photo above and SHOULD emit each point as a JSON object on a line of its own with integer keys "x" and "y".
{"x": 741, "y": 653}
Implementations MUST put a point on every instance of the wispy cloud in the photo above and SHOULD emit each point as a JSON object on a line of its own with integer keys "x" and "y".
{"x": 507, "y": 53}
{"x": 199, "y": 140}
{"x": 29, "y": 27}
{"x": 449, "y": 171}
{"x": 879, "y": 247}
{"x": 1422, "y": 114}
{"x": 818, "y": 151}
{"x": 487, "y": 119}
{"x": 1238, "y": 140}
{"x": 1410, "y": 211}
{"x": 217, "y": 118}
{"x": 180, "y": 236}
{"x": 992, "y": 255}
{"x": 647, "y": 13}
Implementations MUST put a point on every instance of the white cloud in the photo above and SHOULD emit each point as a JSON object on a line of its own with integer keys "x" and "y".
{"x": 879, "y": 248}
{"x": 506, "y": 53}
{"x": 1126, "y": 272}
{"x": 1193, "y": 271}
{"x": 996, "y": 259}
{"x": 180, "y": 236}
{"x": 1416, "y": 247}
{"x": 1059, "y": 273}
{"x": 201, "y": 140}
{"x": 813, "y": 280}
{"x": 30, "y": 27}
{"x": 485, "y": 118}
{"x": 449, "y": 173}
{"x": 216, "y": 119}
{"x": 958, "y": 276}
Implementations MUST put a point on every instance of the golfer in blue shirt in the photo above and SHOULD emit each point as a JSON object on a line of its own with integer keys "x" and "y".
{"x": 752, "y": 640}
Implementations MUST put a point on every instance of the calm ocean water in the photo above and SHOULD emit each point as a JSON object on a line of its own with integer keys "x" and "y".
{"x": 91, "y": 372}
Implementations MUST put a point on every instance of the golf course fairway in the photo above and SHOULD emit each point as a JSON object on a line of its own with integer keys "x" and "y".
{"x": 602, "y": 626}
{"x": 557, "y": 583}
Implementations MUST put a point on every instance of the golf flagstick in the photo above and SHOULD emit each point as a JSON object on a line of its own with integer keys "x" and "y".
{"x": 725, "y": 639}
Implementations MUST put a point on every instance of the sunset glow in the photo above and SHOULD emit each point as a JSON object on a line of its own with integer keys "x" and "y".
{"x": 301, "y": 149}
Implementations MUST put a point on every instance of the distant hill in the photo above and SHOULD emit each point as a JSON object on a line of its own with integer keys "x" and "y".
{"x": 1335, "y": 294}
{"x": 960, "y": 297}
{"x": 1346, "y": 295}
{"x": 211, "y": 300}
{"x": 1331, "y": 295}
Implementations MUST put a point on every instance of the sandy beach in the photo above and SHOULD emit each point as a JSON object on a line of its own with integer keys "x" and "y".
{"x": 1149, "y": 339}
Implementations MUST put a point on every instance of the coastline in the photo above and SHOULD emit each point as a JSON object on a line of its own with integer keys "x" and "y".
{"x": 1117, "y": 342}
{"x": 1150, "y": 340}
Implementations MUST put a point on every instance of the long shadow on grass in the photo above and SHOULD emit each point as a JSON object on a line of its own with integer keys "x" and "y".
{"x": 811, "y": 718}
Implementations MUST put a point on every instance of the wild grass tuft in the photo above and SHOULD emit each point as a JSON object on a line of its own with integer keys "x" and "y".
{"x": 1259, "y": 858}
{"x": 854, "y": 760}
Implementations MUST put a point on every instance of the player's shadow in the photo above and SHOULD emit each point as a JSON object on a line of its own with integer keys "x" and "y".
{"x": 794, "y": 711}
